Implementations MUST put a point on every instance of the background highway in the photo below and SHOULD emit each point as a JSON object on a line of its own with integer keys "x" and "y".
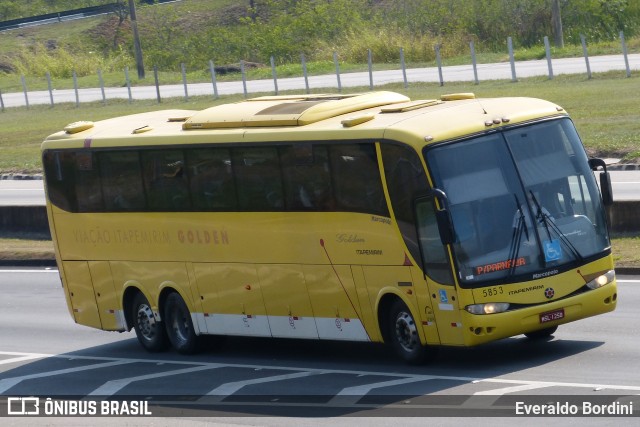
{"x": 494, "y": 71}
{"x": 43, "y": 353}
{"x": 626, "y": 186}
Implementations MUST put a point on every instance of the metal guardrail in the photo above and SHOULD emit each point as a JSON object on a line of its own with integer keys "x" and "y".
{"x": 57, "y": 16}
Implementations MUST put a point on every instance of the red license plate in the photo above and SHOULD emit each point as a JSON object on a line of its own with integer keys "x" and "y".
{"x": 550, "y": 316}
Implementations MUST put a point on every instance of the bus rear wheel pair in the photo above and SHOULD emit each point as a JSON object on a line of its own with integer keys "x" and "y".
{"x": 176, "y": 328}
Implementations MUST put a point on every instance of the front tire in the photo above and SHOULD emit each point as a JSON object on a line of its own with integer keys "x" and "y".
{"x": 179, "y": 325}
{"x": 149, "y": 330}
{"x": 404, "y": 336}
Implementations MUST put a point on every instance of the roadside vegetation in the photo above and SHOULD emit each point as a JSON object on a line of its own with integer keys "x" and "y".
{"x": 604, "y": 109}
{"x": 192, "y": 32}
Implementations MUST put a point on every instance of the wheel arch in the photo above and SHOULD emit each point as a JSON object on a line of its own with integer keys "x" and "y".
{"x": 383, "y": 310}
{"x": 131, "y": 289}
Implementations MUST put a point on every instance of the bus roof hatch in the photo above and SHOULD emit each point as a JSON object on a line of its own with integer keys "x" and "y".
{"x": 289, "y": 110}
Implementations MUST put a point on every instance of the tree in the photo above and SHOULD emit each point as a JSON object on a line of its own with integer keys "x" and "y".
{"x": 136, "y": 39}
{"x": 556, "y": 23}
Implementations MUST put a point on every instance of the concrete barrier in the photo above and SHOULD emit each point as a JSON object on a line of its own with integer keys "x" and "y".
{"x": 24, "y": 219}
{"x": 624, "y": 217}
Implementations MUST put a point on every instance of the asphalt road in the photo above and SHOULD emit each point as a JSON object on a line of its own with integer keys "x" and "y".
{"x": 43, "y": 353}
{"x": 626, "y": 186}
{"x": 494, "y": 71}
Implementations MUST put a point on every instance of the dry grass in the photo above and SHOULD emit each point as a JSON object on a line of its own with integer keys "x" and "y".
{"x": 626, "y": 250}
{"x": 25, "y": 247}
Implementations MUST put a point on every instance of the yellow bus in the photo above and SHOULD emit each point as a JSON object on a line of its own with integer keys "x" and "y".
{"x": 364, "y": 217}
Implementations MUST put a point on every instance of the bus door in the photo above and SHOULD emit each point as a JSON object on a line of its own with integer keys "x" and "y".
{"x": 445, "y": 303}
{"x": 435, "y": 293}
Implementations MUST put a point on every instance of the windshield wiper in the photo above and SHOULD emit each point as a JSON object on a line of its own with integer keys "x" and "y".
{"x": 546, "y": 219}
{"x": 516, "y": 237}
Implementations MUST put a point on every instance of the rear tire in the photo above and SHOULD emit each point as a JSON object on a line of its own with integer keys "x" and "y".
{"x": 404, "y": 336}
{"x": 542, "y": 333}
{"x": 149, "y": 330}
{"x": 179, "y": 326}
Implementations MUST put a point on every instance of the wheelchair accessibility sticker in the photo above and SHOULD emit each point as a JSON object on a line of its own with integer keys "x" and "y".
{"x": 443, "y": 296}
{"x": 552, "y": 250}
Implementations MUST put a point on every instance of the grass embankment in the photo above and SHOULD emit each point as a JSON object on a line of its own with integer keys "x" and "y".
{"x": 604, "y": 109}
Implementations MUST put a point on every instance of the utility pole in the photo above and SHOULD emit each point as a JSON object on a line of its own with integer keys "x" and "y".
{"x": 136, "y": 39}
{"x": 556, "y": 23}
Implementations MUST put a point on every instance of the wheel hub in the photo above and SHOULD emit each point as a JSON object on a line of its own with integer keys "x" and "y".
{"x": 146, "y": 322}
{"x": 406, "y": 332}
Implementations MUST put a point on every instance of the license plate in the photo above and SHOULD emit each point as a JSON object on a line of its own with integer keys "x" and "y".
{"x": 550, "y": 316}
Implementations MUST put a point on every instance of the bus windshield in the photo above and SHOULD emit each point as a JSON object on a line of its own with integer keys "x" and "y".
{"x": 522, "y": 202}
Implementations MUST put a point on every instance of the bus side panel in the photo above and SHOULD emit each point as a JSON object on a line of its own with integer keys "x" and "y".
{"x": 446, "y": 308}
{"x": 368, "y": 317}
{"x": 335, "y": 302}
{"x": 426, "y": 300}
{"x": 109, "y": 306}
{"x": 231, "y": 299}
{"x": 287, "y": 301}
{"x": 81, "y": 293}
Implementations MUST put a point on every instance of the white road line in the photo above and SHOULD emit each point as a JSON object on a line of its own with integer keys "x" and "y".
{"x": 52, "y": 270}
{"x": 7, "y": 383}
{"x": 351, "y": 395}
{"x": 22, "y": 358}
{"x": 112, "y": 387}
{"x": 231, "y": 388}
{"x": 512, "y": 389}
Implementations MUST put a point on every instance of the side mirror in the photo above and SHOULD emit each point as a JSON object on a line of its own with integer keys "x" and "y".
{"x": 442, "y": 215}
{"x": 445, "y": 226}
{"x": 605, "y": 180}
{"x": 605, "y": 189}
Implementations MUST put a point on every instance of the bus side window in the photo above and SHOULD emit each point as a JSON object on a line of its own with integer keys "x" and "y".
{"x": 121, "y": 181}
{"x": 405, "y": 178}
{"x": 59, "y": 167}
{"x": 307, "y": 181}
{"x": 257, "y": 172}
{"x": 435, "y": 258}
{"x": 165, "y": 180}
{"x": 87, "y": 179}
{"x": 356, "y": 179}
{"x": 211, "y": 179}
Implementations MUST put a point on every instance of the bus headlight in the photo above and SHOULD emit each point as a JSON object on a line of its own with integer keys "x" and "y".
{"x": 602, "y": 280}
{"x": 488, "y": 308}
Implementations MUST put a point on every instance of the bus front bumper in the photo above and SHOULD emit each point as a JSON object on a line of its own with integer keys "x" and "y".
{"x": 479, "y": 329}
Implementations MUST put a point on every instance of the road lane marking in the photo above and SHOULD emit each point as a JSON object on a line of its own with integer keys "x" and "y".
{"x": 7, "y": 383}
{"x": 350, "y": 395}
{"x": 51, "y": 270}
{"x": 232, "y": 387}
{"x": 22, "y": 358}
{"x": 112, "y": 387}
{"x": 512, "y": 389}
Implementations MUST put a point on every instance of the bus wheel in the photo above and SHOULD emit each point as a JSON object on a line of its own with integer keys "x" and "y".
{"x": 150, "y": 332}
{"x": 180, "y": 330}
{"x": 542, "y": 333}
{"x": 403, "y": 332}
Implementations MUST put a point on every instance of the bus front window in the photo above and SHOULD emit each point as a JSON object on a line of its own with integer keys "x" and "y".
{"x": 521, "y": 202}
